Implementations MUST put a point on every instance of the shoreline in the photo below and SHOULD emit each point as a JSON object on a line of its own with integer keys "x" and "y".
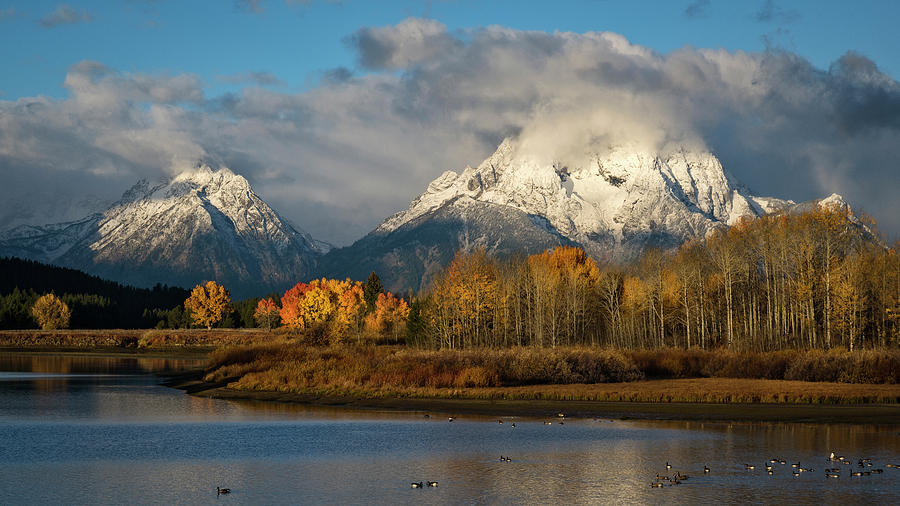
{"x": 877, "y": 414}
{"x": 535, "y": 401}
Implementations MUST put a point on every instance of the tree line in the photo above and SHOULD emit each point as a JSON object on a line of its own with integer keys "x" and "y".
{"x": 818, "y": 280}
{"x": 95, "y": 303}
{"x": 323, "y": 311}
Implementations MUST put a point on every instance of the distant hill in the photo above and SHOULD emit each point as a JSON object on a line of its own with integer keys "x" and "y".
{"x": 96, "y": 302}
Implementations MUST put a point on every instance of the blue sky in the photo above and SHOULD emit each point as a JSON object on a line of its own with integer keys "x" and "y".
{"x": 297, "y": 41}
{"x": 341, "y": 112}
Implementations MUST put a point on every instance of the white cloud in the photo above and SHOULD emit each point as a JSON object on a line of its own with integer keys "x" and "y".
{"x": 341, "y": 157}
{"x": 65, "y": 14}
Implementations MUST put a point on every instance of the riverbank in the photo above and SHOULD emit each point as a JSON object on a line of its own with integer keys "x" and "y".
{"x": 128, "y": 340}
{"x": 546, "y": 401}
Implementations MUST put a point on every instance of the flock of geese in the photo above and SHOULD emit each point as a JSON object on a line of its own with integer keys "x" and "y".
{"x": 862, "y": 469}
{"x": 661, "y": 481}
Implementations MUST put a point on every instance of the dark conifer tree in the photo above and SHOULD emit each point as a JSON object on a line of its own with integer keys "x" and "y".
{"x": 371, "y": 290}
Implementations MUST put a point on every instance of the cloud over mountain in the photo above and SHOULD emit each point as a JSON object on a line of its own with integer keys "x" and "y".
{"x": 338, "y": 158}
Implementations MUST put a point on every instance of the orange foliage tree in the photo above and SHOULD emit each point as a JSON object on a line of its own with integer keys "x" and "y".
{"x": 336, "y": 306}
{"x": 390, "y": 316}
{"x": 267, "y": 314}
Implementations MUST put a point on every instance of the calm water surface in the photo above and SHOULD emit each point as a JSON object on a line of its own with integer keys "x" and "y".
{"x": 86, "y": 430}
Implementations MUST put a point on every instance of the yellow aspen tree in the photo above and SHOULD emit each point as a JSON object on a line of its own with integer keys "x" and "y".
{"x": 207, "y": 303}
{"x": 51, "y": 312}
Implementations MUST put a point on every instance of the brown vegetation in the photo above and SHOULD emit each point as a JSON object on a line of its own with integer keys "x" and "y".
{"x": 870, "y": 366}
{"x": 119, "y": 338}
{"x": 705, "y": 390}
{"x": 529, "y": 373}
{"x": 289, "y": 367}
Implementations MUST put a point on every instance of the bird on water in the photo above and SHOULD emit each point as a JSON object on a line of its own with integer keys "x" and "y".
{"x": 220, "y": 491}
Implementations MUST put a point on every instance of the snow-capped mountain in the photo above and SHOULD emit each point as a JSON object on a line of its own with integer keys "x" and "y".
{"x": 614, "y": 202}
{"x": 203, "y": 224}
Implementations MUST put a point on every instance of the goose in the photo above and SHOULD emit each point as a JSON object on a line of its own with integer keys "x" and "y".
{"x": 877, "y": 471}
{"x": 222, "y": 491}
{"x": 795, "y": 465}
{"x": 656, "y": 484}
{"x": 499, "y": 421}
{"x": 548, "y": 423}
{"x": 856, "y": 473}
{"x": 513, "y": 425}
{"x": 450, "y": 419}
{"x": 416, "y": 484}
{"x": 427, "y": 416}
{"x": 561, "y": 415}
{"x": 893, "y": 465}
{"x": 832, "y": 475}
{"x": 796, "y": 474}
{"x": 770, "y": 472}
{"x": 705, "y": 469}
{"x": 773, "y": 461}
{"x": 668, "y": 466}
{"x": 768, "y": 467}
{"x": 431, "y": 483}
{"x": 749, "y": 467}
{"x": 782, "y": 462}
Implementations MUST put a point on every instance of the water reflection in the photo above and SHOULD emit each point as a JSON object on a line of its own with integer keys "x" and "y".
{"x": 112, "y": 435}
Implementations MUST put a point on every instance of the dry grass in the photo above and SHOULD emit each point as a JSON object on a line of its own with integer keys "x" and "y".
{"x": 707, "y": 390}
{"x": 529, "y": 373}
{"x": 867, "y": 366}
{"x": 128, "y": 338}
{"x": 289, "y": 367}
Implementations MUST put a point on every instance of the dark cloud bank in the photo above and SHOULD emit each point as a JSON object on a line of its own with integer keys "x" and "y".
{"x": 339, "y": 158}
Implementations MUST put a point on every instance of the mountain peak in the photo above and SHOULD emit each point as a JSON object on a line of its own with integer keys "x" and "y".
{"x": 205, "y": 223}
{"x": 613, "y": 200}
{"x": 834, "y": 201}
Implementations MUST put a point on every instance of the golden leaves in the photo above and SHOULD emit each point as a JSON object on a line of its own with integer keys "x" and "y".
{"x": 51, "y": 312}
{"x": 207, "y": 303}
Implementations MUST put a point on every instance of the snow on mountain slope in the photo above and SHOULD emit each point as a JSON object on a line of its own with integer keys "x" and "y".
{"x": 614, "y": 202}
{"x": 622, "y": 194}
{"x": 203, "y": 224}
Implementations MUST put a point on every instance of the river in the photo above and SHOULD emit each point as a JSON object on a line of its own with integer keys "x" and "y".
{"x": 93, "y": 430}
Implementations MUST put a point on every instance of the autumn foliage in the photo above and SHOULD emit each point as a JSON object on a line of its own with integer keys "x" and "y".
{"x": 51, "y": 312}
{"x": 267, "y": 314}
{"x": 390, "y": 316}
{"x": 817, "y": 280}
{"x": 207, "y": 304}
{"x": 332, "y": 310}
